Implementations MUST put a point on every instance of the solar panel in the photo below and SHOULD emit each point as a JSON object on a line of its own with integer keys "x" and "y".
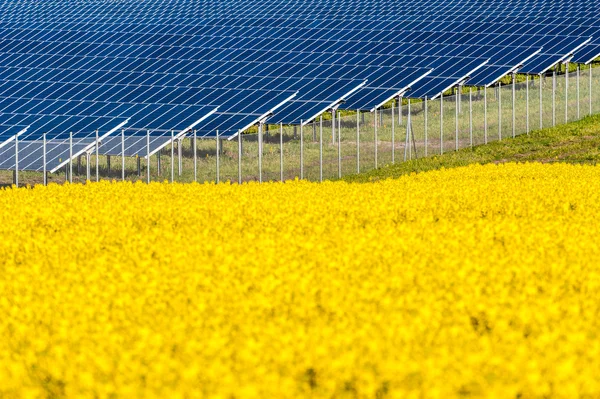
{"x": 168, "y": 65}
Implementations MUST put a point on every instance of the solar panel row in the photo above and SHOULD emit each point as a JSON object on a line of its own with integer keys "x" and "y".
{"x": 169, "y": 65}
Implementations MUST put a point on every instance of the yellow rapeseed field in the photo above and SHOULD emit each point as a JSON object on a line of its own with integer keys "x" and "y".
{"x": 481, "y": 281}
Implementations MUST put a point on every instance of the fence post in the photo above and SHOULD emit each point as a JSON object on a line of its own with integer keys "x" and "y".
{"x": 195, "y": 156}
{"x": 500, "y": 111}
{"x": 260, "y": 151}
{"x": 16, "y": 174}
{"x": 88, "y": 172}
{"x": 281, "y": 150}
{"x": 179, "y": 156}
{"x": 172, "y": 156}
{"x": 357, "y": 141}
{"x": 541, "y": 103}
{"x": 567, "y": 92}
{"x": 70, "y": 159}
{"x": 426, "y": 126}
{"x": 375, "y": 130}
{"x": 485, "y": 119}
{"x": 320, "y": 148}
{"x": 123, "y": 154}
{"x": 399, "y": 110}
{"x": 301, "y": 150}
{"x": 411, "y": 139}
{"x": 457, "y": 112}
{"x": 239, "y": 134}
{"x": 393, "y": 134}
{"x": 471, "y": 115}
{"x": 148, "y": 156}
{"x": 333, "y": 126}
{"x": 554, "y": 97}
{"x": 591, "y": 108}
{"x": 578, "y": 94}
{"x": 339, "y": 136}
{"x": 97, "y": 161}
{"x": 442, "y": 124}
{"x": 514, "y": 97}
{"x": 218, "y": 177}
{"x": 527, "y": 104}
{"x": 44, "y": 160}
{"x": 407, "y": 138}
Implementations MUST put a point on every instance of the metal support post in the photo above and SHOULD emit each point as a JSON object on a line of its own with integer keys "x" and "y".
{"x": 407, "y": 148}
{"x": 97, "y": 158}
{"x": 514, "y": 97}
{"x": 442, "y": 124}
{"x": 333, "y": 140}
{"x": 179, "y": 155}
{"x": 591, "y": 108}
{"x": 410, "y": 129}
{"x": 471, "y": 116}
{"x": 541, "y": 103}
{"x": 239, "y": 137}
{"x": 44, "y": 160}
{"x": 426, "y": 126}
{"x": 567, "y": 92}
{"x": 70, "y": 158}
{"x": 218, "y": 159}
{"x": 79, "y": 165}
{"x": 457, "y": 112}
{"x": 260, "y": 151}
{"x": 554, "y": 97}
{"x": 281, "y": 151}
{"x": 195, "y": 149}
{"x": 485, "y": 119}
{"x": 578, "y": 92}
{"x": 375, "y": 131}
{"x": 139, "y": 165}
{"x": 393, "y": 135}
{"x": 400, "y": 111}
{"x": 339, "y": 136}
{"x": 172, "y": 156}
{"x": 16, "y": 174}
{"x": 87, "y": 167}
{"x": 321, "y": 148}
{"x": 147, "y": 156}
{"x": 527, "y": 104}
{"x": 459, "y": 98}
{"x": 357, "y": 141}
{"x": 158, "y": 165}
{"x": 301, "y": 150}
{"x": 500, "y": 111}
{"x": 123, "y": 154}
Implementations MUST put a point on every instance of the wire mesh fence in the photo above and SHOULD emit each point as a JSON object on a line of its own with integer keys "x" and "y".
{"x": 334, "y": 145}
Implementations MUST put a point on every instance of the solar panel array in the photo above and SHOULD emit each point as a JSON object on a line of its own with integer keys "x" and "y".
{"x": 165, "y": 68}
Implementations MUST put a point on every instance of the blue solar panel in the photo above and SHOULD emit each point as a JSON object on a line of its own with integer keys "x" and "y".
{"x": 166, "y": 65}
